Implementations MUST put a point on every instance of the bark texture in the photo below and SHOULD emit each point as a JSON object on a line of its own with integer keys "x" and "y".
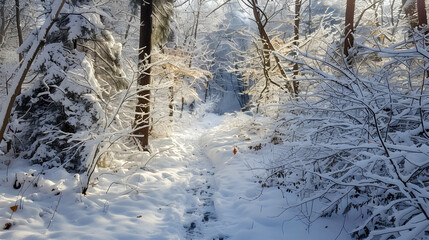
{"x": 143, "y": 105}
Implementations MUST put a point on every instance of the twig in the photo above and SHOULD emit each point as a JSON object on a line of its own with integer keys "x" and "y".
{"x": 53, "y": 215}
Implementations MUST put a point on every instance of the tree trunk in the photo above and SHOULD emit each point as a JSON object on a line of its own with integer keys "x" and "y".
{"x": 348, "y": 32}
{"x": 296, "y": 43}
{"x": 206, "y": 90}
{"x": 127, "y": 30}
{"x": 183, "y": 106}
{"x": 171, "y": 104}
{"x": 195, "y": 33}
{"x": 268, "y": 47}
{"x": 309, "y": 19}
{"x": 18, "y": 26}
{"x": 263, "y": 35}
{"x": 142, "y": 116}
{"x": 3, "y": 23}
{"x": 197, "y": 21}
{"x": 421, "y": 13}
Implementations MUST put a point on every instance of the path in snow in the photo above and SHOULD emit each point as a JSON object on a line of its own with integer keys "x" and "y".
{"x": 200, "y": 210}
{"x": 200, "y": 213}
{"x": 169, "y": 198}
{"x": 194, "y": 187}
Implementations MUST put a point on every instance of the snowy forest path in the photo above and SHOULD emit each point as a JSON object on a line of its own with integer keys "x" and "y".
{"x": 171, "y": 195}
{"x": 192, "y": 186}
{"x": 200, "y": 213}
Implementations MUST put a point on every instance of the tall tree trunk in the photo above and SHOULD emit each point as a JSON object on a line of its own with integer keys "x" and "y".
{"x": 296, "y": 42}
{"x": 197, "y": 21}
{"x": 3, "y": 24}
{"x": 143, "y": 105}
{"x": 262, "y": 34}
{"x": 421, "y": 13}
{"x": 309, "y": 19}
{"x": 423, "y": 20}
{"x": 18, "y": 26}
{"x": 349, "y": 29}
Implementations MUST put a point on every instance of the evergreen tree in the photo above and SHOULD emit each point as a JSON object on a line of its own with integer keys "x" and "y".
{"x": 54, "y": 120}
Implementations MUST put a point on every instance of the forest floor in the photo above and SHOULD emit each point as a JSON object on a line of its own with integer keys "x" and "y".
{"x": 194, "y": 187}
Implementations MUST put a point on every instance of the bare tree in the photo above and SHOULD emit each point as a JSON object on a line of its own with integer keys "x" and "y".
{"x": 267, "y": 46}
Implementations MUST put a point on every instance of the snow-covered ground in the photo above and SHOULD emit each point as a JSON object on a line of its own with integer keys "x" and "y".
{"x": 194, "y": 188}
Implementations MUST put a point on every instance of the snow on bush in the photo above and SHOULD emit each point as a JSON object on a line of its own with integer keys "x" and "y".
{"x": 356, "y": 140}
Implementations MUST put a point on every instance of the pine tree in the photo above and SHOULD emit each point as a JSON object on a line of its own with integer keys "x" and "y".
{"x": 53, "y": 121}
